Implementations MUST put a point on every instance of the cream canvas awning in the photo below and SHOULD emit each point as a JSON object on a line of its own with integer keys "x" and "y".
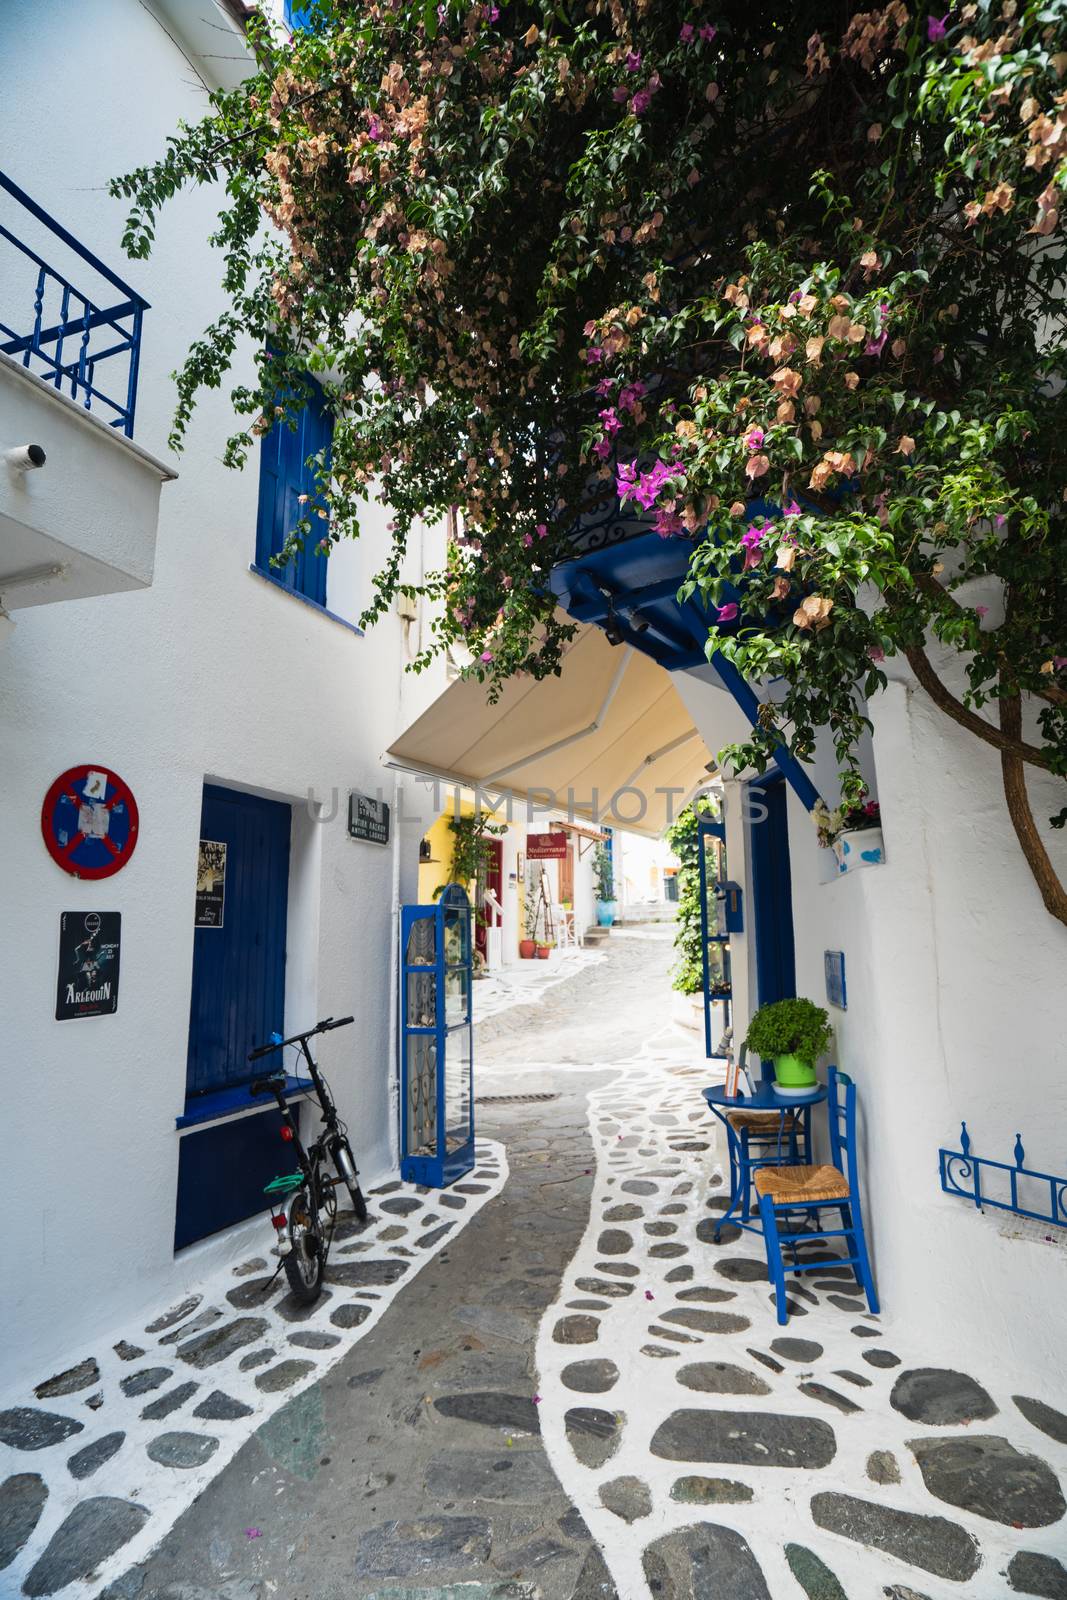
{"x": 608, "y": 741}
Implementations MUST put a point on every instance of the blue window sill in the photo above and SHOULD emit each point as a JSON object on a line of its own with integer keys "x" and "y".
{"x": 228, "y": 1102}
{"x": 294, "y": 594}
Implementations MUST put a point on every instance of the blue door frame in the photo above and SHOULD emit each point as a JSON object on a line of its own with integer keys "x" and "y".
{"x": 772, "y": 891}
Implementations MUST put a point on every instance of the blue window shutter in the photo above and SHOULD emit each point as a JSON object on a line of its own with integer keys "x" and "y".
{"x": 300, "y": 15}
{"x": 283, "y": 477}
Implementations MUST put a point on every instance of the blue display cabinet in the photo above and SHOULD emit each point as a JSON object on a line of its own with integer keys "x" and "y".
{"x": 436, "y": 1064}
{"x": 721, "y": 913}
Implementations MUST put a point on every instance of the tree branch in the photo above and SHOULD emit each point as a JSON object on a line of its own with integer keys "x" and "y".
{"x": 1007, "y": 744}
{"x": 1052, "y": 891}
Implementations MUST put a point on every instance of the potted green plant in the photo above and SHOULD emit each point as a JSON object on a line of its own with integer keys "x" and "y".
{"x": 544, "y": 948}
{"x": 793, "y": 1034}
{"x": 528, "y": 942}
{"x": 852, "y": 832}
{"x": 604, "y": 872}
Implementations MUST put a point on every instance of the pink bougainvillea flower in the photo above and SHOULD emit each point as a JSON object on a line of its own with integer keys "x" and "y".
{"x": 757, "y": 466}
{"x": 542, "y": 530}
{"x": 486, "y": 655}
{"x": 754, "y": 439}
{"x": 490, "y": 13}
{"x": 935, "y": 28}
{"x": 609, "y": 418}
{"x": 874, "y": 347}
{"x": 620, "y": 94}
{"x": 604, "y": 387}
{"x": 727, "y": 613}
{"x": 791, "y": 509}
{"x": 875, "y": 652}
{"x": 1059, "y": 662}
{"x": 527, "y": 540}
{"x": 633, "y": 61}
{"x": 602, "y": 449}
{"x": 253, "y": 1533}
{"x": 594, "y": 355}
{"x": 982, "y": 611}
{"x": 686, "y": 31}
{"x": 668, "y": 523}
{"x": 707, "y": 32}
{"x": 752, "y": 537}
{"x": 640, "y": 102}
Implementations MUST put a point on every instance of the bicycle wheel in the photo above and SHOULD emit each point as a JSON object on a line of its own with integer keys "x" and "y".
{"x": 346, "y": 1168}
{"x": 305, "y": 1262}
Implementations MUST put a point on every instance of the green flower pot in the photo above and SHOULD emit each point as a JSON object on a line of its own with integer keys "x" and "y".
{"x": 792, "y": 1073}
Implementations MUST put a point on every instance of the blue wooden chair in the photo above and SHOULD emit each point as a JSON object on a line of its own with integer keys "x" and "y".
{"x": 803, "y": 1193}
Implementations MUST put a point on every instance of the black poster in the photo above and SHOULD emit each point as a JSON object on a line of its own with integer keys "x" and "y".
{"x": 210, "y": 884}
{"x": 88, "y": 964}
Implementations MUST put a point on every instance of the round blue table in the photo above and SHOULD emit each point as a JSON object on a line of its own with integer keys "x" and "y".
{"x": 764, "y": 1099}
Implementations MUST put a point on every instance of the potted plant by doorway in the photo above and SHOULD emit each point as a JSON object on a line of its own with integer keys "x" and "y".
{"x": 793, "y": 1034}
{"x": 604, "y": 872}
{"x": 528, "y": 942}
{"x": 544, "y": 949}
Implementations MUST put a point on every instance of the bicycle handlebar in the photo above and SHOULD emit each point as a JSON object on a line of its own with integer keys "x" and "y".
{"x": 325, "y": 1026}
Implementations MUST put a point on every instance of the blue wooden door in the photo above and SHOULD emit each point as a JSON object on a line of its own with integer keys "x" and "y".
{"x": 772, "y": 891}
{"x": 238, "y": 995}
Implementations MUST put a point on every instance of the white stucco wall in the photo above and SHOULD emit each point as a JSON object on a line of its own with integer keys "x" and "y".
{"x": 957, "y": 1010}
{"x": 212, "y": 673}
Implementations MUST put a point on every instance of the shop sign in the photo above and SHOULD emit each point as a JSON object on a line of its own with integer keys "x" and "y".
{"x": 89, "y": 821}
{"x": 210, "y": 884}
{"x": 546, "y": 846}
{"x": 88, "y": 983}
{"x": 368, "y": 819}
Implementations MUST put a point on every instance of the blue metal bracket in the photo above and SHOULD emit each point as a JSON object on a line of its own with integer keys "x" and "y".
{"x": 962, "y": 1174}
{"x": 788, "y": 765}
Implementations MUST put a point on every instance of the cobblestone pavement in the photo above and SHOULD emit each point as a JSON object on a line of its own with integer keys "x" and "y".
{"x": 465, "y": 1449}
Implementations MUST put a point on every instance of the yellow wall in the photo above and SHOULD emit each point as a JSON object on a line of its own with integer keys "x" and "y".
{"x": 436, "y": 873}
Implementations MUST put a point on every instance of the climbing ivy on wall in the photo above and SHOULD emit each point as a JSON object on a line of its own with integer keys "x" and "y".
{"x": 684, "y": 840}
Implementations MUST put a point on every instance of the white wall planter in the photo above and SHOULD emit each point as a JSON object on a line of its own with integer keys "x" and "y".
{"x": 859, "y": 847}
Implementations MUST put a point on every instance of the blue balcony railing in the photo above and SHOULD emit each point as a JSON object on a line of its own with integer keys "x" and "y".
{"x": 84, "y": 346}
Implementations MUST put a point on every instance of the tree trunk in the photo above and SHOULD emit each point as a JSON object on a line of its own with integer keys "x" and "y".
{"x": 1014, "y": 773}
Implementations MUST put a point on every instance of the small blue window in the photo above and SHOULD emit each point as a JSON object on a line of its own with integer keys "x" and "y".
{"x": 284, "y": 476}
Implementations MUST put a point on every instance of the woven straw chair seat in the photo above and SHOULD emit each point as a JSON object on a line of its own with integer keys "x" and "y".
{"x": 804, "y": 1186}
{"x": 761, "y": 1121}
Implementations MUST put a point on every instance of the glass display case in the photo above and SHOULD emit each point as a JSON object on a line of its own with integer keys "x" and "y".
{"x": 437, "y": 1065}
{"x": 720, "y": 915}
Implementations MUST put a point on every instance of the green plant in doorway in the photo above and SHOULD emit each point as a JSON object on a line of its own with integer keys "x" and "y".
{"x": 470, "y": 848}
{"x": 604, "y": 873}
{"x": 793, "y": 1034}
{"x": 684, "y": 840}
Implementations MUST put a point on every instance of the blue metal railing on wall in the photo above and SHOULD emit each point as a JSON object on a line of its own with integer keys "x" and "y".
{"x": 1025, "y": 1192}
{"x": 63, "y": 335}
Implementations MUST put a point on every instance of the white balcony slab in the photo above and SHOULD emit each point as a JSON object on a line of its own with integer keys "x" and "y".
{"x": 83, "y": 524}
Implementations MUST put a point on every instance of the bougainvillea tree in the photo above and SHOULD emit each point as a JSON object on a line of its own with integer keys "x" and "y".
{"x": 690, "y": 253}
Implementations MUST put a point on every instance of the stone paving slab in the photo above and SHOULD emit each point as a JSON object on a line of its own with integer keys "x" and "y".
{"x": 90, "y": 1483}
{"x": 839, "y": 1462}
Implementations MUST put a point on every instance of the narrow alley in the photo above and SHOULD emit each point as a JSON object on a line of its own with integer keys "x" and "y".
{"x": 580, "y": 1396}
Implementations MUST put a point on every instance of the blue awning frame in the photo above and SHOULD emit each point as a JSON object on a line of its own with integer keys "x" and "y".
{"x": 629, "y": 589}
